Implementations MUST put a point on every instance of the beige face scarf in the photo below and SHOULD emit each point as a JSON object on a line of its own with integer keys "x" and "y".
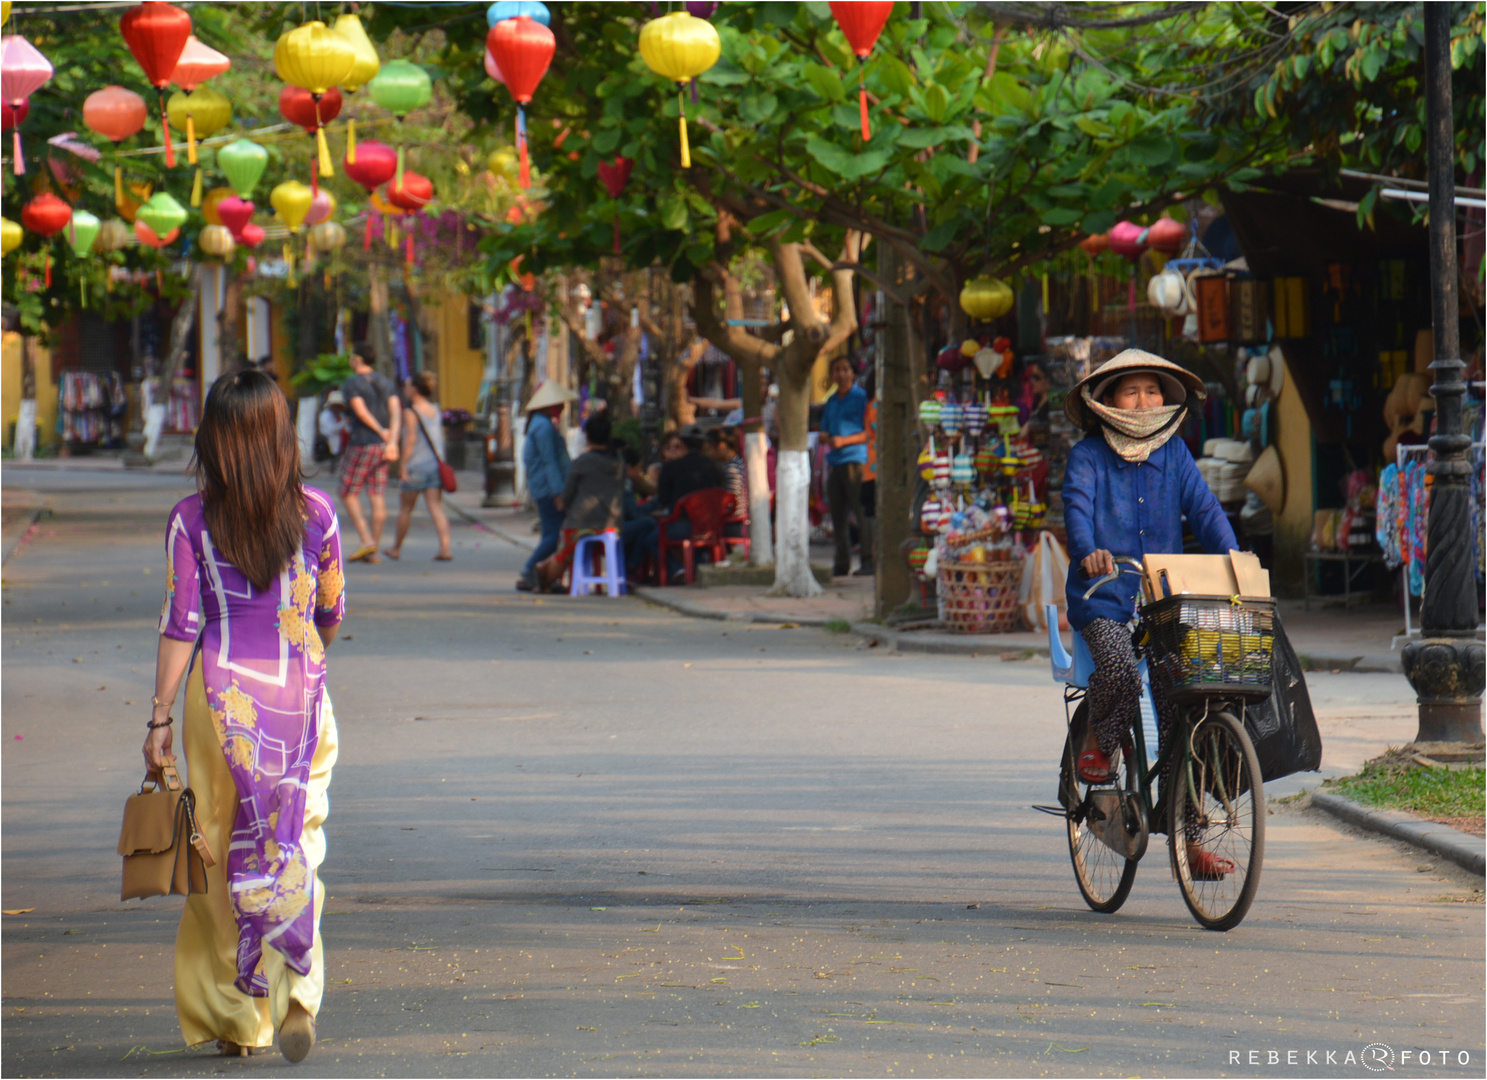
{"x": 1133, "y": 433}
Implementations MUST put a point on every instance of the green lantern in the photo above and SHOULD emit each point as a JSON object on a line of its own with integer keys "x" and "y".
{"x": 162, "y": 214}
{"x": 242, "y": 162}
{"x": 82, "y": 231}
{"x": 400, "y": 87}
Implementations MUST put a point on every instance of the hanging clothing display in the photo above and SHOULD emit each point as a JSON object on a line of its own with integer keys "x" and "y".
{"x": 93, "y": 408}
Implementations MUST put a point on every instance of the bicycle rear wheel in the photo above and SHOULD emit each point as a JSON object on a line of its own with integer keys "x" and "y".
{"x": 1217, "y": 808}
{"x": 1104, "y": 876}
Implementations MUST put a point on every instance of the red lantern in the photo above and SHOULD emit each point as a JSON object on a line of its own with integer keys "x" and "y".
{"x": 1095, "y": 245}
{"x": 1128, "y": 240}
{"x": 115, "y": 113}
{"x": 523, "y": 49}
{"x": 411, "y": 197}
{"x": 297, "y": 105}
{"x": 615, "y": 175}
{"x": 11, "y": 115}
{"x": 235, "y": 214}
{"x": 862, "y": 22}
{"x": 147, "y": 236}
{"x": 1166, "y": 236}
{"x": 47, "y": 215}
{"x": 252, "y": 235}
{"x": 156, "y": 34}
{"x": 374, "y": 166}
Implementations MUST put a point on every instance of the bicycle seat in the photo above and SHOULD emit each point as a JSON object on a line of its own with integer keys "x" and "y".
{"x": 1074, "y": 670}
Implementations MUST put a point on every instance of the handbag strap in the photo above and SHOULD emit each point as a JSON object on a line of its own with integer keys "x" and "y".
{"x": 425, "y": 431}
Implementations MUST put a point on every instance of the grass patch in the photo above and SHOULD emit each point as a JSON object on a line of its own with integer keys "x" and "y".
{"x": 838, "y": 626}
{"x": 1403, "y": 785}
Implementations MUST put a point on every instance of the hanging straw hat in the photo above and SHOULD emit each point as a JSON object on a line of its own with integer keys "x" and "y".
{"x": 1267, "y": 479}
{"x": 549, "y": 393}
{"x": 1178, "y": 384}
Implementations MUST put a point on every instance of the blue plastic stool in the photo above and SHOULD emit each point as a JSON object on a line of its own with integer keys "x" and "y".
{"x": 612, "y": 576}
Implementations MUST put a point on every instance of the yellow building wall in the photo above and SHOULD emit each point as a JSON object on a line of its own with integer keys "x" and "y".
{"x": 460, "y": 368}
{"x": 1293, "y": 525}
{"x": 10, "y": 388}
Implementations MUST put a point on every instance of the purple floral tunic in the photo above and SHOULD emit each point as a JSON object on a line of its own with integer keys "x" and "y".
{"x": 264, "y": 669}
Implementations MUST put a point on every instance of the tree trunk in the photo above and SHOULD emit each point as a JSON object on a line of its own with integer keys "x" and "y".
{"x": 180, "y": 328}
{"x": 229, "y": 327}
{"x": 897, "y": 453}
{"x": 379, "y": 327}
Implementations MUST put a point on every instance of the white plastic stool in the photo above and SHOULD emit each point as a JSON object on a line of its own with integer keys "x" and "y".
{"x": 612, "y": 576}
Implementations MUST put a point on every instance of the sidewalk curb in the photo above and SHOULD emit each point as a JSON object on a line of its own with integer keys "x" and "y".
{"x": 495, "y": 530}
{"x": 1463, "y": 849}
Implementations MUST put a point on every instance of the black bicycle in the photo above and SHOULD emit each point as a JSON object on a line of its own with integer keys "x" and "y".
{"x": 1211, "y": 655}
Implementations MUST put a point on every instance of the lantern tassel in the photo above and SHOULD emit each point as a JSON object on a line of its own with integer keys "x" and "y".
{"x": 694, "y": 90}
{"x": 408, "y": 256}
{"x": 350, "y": 142}
{"x": 314, "y": 178}
{"x": 392, "y": 236}
{"x": 524, "y": 175}
{"x": 616, "y": 232}
{"x": 170, "y": 151}
{"x": 48, "y": 279}
{"x": 191, "y": 140}
{"x": 119, "y": 185}
{"x": 867, "y": 132}
{"x": 366, "y": 240}
{"x": 20, "y": 159}
{"x": 196, "y": 188}
{"x": 682, "y": 126}
{"x": 397, "y": 180}
{"x": 326, "y": 168}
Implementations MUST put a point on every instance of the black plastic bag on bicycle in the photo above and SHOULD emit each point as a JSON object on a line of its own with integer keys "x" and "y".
{"x": 1283, "y": 726}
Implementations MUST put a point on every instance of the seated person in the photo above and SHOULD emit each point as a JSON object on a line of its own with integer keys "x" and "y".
{"x": 639, "y": 531}
{"x": 670, "y": 449}
{"x": 593, "y": 499}
{"x": 722, "y": 447}
{"x": 692, "y": 471}
{"x": 1126, "y": 490}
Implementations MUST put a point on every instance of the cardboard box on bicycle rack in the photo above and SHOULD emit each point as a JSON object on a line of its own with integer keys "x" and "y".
{"x": 1238, "y": 573}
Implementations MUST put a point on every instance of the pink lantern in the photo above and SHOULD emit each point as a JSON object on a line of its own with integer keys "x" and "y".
{"x": 1166, "y": 236}
{"x": 1128, "y": 240}
{"x": 235, "y": 213}
{"x": 252, "y": 234}
{"x": 493, "y": 69}
{"x": 23, "y": 71}
{"x": 322, "y": 206}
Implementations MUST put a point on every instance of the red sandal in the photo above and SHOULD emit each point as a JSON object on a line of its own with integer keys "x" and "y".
{"x": 1204, "y": 865}
{"x": 1094, "y": 767}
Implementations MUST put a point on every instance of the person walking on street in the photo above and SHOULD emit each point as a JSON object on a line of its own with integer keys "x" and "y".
{"x": 254, "y": 593}
{"x": 423, "y": 450}
{"x": 844, "y": 426}
{"x": 545, "y": 459}
{"x": 376, "y": 426}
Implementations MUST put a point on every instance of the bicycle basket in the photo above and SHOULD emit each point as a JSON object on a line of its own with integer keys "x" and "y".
{"x": 1210, "y": 646}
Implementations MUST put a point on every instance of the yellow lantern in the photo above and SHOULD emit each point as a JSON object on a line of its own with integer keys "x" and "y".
{"x": 11, "y": 235}
{"x": 327, "y": 237}
{"x": 114, "y": 235}
{"x": 680, "y": 47}
{"x": 129, "y": 203}
{"x": 201, "y": 113}
{"x": 209, "y": 203}
{"x": 314, "y": 57}
{"x": 291, "y": 201}
{"x": 986, "y": 298}
{"x": 367, "y": 65}
{"x": 217, "y": 241}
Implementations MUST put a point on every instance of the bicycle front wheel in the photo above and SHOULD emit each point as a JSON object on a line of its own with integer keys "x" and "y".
{"x": 1217, "y": 822}
{"x": 1104, "y": 876}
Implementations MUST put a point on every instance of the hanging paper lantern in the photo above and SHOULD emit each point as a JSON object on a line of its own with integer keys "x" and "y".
{"x": 202, "y": 112}
{"x": 23, "y": 71}
{"x": 291, "y": 201}
{"x": 209, "y": 203}
{"x": 242, "y": 162}
{"x": 197, "y": 63}
{"x": 128, "y": 203}
{"x": 1128, "y": 240}
{"x": 162, "y": 213}
{"x": 234, "y": 213}
{"x": 316, "y": 58}
{"x": 115, "y": 113}
{"x": 46, "y": 215}
{"x": 299, "y": 106}
{"x": 11, "y": 235}
{"x": 150, "y": 238}
{"x": 11, "y": 115}
{"x": 400, "y": 87}
{"x": 679, "y": 47}
{"x": 327, "y": 237}
{"x": 1095, "y": 245}
{"x": 493, "y": 69}
{"x": 65, "y": 174}
{"x": 413, "y": 194}
{"x": 4, "y": 11}
{"x": 82, "y": 232}
{"x": 615, "y": 175}
{"x": 986, "y": 299}
{"x": 217, "y": 241}
{"x": 322, "y": 206}
{"x": 113, "y": 236}
{"x": 252, "y": 235}
{"x": 1166, "y": 236}
{"x": 366, "y": 66}
{"x": 502, "y": 10}
{"x": 523, "y": 49}
{"x": 375, "y": 164}
{"x": 862, "y": 22}
{"x": 156, "y": 34}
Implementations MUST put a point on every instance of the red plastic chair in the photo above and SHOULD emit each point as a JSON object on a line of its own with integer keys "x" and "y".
{"x": 706, "y": 509}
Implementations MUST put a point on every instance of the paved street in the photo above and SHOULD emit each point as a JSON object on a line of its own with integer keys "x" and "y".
{"x": 592, "y": 837}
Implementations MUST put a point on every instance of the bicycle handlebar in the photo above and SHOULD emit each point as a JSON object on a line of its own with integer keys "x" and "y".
{"x": 1120, "y": 560}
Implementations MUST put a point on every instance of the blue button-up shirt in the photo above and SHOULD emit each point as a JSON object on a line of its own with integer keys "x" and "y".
{"x": 1130, "y": 508}
{"x": 545, "y": 458}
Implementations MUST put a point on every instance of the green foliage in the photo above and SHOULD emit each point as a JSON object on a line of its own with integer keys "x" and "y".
{"x": 326, "y": 371}
{"x": 1402, "y": 785}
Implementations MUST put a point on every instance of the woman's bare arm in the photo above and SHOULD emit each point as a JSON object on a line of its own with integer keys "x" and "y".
{"x": 170, "y": 669}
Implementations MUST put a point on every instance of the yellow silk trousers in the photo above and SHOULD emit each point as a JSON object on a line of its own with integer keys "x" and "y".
{"x": 208, "y": 1003}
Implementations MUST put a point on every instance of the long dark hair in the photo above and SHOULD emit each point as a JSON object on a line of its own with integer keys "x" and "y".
{"x": 248, "y": 472}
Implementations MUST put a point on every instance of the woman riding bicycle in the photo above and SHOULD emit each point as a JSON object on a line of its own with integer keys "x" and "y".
{"x": 1126, "y": 492}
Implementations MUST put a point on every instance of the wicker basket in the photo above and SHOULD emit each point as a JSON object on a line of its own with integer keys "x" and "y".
{"x": 981, "y": 597}
{"x": 1211, "y": 646}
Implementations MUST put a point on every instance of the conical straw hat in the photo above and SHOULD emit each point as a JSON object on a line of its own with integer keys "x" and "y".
{"x": 1267, "y": 479}
{"x": 550, "y": 393}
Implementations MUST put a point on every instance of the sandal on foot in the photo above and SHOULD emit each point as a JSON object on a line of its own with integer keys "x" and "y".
{"x": 443, "y": 558}
{"x": 1094, "y": 767}
{"x": 391, "y": 554}
{"x": 363, "y": 552}
{"x": 1204, "y": 865}
{"x": 228, "y": 1048}
{"x": 297, "y": 1033}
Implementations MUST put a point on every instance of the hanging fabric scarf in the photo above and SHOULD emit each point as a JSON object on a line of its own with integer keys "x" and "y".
{"x": 1134, "y": 434}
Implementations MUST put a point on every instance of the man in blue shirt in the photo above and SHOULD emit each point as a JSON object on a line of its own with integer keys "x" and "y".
{"x": 844, "y": 427}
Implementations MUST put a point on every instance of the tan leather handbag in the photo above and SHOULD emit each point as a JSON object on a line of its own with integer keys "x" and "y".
{"x": 164, "y": 851}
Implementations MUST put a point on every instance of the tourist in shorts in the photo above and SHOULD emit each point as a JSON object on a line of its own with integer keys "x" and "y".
{"x": 376, "y": 423}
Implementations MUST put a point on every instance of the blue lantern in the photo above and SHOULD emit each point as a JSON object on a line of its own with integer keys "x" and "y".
{"x": 510, "y": 9}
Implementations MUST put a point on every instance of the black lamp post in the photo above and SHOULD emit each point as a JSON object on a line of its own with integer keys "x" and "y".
{"x": 1446, "y": 666}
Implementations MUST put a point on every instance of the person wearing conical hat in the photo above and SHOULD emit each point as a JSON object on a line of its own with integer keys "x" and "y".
{"x": 545, "y": 458}
{"x": 1127, "y": 489}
